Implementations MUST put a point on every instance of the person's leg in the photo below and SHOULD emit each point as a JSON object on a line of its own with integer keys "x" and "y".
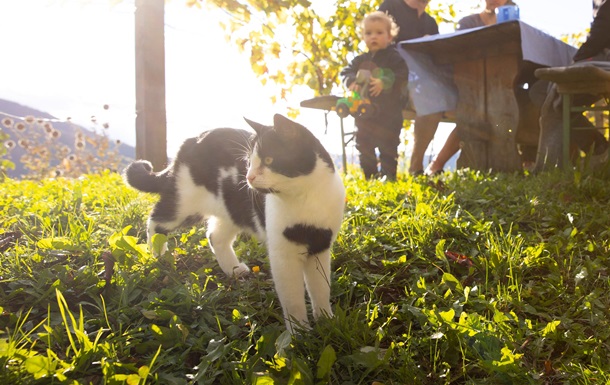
{"x": 388, "y": 151}
{"x": 550, "y": 141}
{"x": 451, "y": 146}
{"x": 423, "y": 133}
{"x": 365, "y": 144}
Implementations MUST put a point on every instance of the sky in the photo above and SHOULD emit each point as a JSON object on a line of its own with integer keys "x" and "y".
{"x": 72, "y": 57}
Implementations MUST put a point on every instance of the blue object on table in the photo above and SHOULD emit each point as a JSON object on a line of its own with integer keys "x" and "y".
{"x": 507, "y": 13}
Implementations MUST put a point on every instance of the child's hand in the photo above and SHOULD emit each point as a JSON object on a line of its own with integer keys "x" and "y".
{"x": 375, "y": 86}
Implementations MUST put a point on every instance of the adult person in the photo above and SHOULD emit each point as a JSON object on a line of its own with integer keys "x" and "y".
{"x": 414, "y": 22}
{"x": 388, "y": 74}
{"x": 452, "y": 145}
{"x": 595, "y": 48}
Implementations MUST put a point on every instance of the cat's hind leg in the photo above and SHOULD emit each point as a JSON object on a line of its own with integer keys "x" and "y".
{"x": 153, "y": 227}
{"x": 162, "y": 220}
{"x": 221, "y": 235}
{"x": 317, "y": 281}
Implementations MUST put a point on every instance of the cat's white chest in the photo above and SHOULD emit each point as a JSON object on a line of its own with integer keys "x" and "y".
{"x": 320, "y": 206}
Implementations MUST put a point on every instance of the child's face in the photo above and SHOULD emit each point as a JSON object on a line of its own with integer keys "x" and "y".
{"x": 376, "y": 35}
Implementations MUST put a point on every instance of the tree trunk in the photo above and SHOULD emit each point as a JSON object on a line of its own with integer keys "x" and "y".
{"x": 151, "y": 131}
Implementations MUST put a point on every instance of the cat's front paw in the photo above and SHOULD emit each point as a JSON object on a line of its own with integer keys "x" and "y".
{"x": 240, "y": 270}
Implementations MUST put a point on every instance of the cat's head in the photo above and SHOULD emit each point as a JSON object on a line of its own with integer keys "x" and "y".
{"x": 284, "y": 151}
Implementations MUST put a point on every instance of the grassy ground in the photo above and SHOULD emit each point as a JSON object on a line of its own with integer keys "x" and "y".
{"x": 466, "y": 279}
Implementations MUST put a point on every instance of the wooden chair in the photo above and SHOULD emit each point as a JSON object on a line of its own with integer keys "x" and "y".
{"x": 582, "y": 78}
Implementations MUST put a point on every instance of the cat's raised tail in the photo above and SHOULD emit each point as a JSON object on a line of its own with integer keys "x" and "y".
{"x": 140, "y": 175}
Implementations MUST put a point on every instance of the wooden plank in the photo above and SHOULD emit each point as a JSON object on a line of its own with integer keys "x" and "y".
{"x": 477, "y": 53}
{"x": 502, "y": 111}
{"x": 599, "y": 87}
{"x": 471, "y": 114}
{"x": 576, "y": 73}
{"x": 151, "y": 131}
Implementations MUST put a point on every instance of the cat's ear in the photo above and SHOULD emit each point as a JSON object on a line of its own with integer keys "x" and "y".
{"x": 288, "y": 129}
{"x": 259, "y": 128}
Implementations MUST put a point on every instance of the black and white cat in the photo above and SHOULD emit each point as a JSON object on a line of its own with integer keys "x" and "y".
{"x": 294, "y": 204}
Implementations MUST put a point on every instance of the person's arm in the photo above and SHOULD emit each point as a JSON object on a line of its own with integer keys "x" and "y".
{"x": 468, "y": 22}
{"x": 395, "y": 72}
{"x": 599, "y": 36}
{"x": 348, "y": 74}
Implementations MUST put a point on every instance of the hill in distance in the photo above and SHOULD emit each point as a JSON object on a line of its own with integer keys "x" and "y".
{"x": 31, "y": 127}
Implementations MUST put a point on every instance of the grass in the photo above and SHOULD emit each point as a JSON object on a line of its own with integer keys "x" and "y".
{"x": 467, "y": 279}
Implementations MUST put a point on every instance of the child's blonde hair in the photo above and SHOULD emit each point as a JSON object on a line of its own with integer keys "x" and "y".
{"x": 383, "y": 17}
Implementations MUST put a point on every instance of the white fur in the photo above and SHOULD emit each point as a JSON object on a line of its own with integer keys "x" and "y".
{"x": 318, "y": 200}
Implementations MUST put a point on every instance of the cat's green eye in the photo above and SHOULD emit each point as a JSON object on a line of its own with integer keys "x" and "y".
{"x": 268, "y": 160}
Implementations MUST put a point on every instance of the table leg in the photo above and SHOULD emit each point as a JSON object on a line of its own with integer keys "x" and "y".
{"x": 488, "y": 112}
{"x": 470, "y": 114}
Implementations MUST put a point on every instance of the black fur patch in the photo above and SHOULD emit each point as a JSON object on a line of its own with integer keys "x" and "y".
{"x": 293, "y": 149}
{"x": 238, "y": 201}
{"x": 161, "y": 230}
{"x": 291, "y": 159}
{"x": 315, "y": 238}
{"x": 165, "y": 209}
{"x": 192, "y": 220}
{"x": 212, "y": 151}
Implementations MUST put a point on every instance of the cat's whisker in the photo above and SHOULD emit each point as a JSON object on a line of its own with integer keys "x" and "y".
{"x": 246, "y": 148}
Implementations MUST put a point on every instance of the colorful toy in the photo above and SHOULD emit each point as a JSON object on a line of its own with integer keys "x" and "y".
{"x": 357, "y": 104}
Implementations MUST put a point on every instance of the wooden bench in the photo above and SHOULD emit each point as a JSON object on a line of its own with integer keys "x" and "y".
{"x": 582, "y": 78}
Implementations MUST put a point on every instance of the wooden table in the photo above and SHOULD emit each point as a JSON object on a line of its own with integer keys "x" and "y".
{"x": 491, "y": 68}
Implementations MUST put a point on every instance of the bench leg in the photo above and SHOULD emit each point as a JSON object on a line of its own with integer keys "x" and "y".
{"x": 343, "y": 144}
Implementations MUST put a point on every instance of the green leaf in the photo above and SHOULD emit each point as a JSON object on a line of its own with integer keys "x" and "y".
{"x": 236, "y": 315}
{"x": 283, "y": 342}
{"x": 368, "y": 358}
{"x": 158, "y": 243}
{"x": 326, "y": 361}
{"x": 453, "y": 282}
{"x": 550, "y": 328}
{"x": 38, "y": 366}
{"x": 263, "y": 380}
{"x": 143, "y": 371}
{"x": 216, "y": 349}
{"x": 448, "y": 315}
{"x": 300, "y": 373}
{"x": 56, "y": 243}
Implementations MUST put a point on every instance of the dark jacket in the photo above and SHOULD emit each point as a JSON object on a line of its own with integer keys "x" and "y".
{"x": 599, "y": 36}
{"x": 391, "y": 68}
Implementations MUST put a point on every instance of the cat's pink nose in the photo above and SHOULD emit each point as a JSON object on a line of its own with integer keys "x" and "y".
{"x": 251, "y": 178}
